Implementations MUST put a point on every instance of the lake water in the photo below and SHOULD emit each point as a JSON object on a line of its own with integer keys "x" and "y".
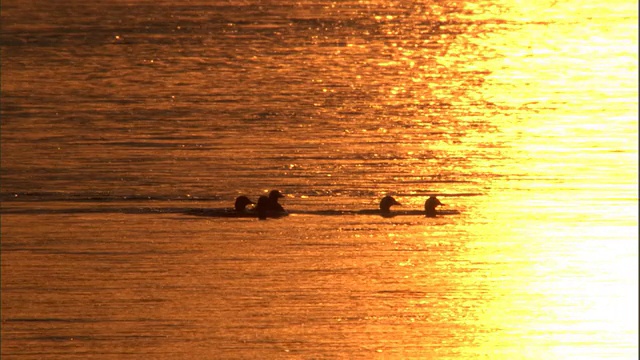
{"x": 121, "y": 119}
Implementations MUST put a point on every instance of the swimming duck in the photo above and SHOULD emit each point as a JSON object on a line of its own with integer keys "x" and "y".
{"x": 385, "y": 208}
{"x": 386, "y": 203}
{"x": 241, "y": 204}
{"x": 430, "y": 206}
{"x": 268, "y": 206}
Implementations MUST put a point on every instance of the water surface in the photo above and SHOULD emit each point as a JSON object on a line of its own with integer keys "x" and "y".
{"x": 121, "y": 120}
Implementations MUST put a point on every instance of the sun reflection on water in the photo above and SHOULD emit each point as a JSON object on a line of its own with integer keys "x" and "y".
{"x": 529, "y": 106}
{"x": 563, "y": 281}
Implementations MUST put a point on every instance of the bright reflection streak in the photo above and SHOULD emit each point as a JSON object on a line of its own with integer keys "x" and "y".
{"x": 557, "y": 244}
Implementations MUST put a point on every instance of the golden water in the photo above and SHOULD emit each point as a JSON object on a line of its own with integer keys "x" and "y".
{"x": 119, "y": 119}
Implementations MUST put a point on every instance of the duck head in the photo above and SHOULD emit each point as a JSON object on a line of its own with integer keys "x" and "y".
{"x": 274, "y": 195}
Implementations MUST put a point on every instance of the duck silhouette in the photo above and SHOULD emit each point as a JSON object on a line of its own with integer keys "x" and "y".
{"x": 430, "y": 206}
{"x": 386, "y": 203}
{"x": 385, "y": 207}
{"x": 268, "y": 206}
{"x": 262, "y": 207}
{"x": 241, "y": 204}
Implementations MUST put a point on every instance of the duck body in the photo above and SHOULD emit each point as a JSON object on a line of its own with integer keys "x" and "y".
{"x": 263, "y": 207}
{"x": 268, "y": 206}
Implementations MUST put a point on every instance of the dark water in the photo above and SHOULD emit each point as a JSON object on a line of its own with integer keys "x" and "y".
{"x": 122, "y": 122}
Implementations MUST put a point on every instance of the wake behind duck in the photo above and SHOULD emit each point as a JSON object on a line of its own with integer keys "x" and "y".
{"x": 239, "y": 210}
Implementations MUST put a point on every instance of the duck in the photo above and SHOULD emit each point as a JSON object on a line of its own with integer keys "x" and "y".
{"x": 385, "y": 207}
{"x": 274, "y": 206}
{"x": 268, "y": 206}
{"x": 386, "y": 203}
{"x": 241, "y": 204}
{"x": 430, "y": 206}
